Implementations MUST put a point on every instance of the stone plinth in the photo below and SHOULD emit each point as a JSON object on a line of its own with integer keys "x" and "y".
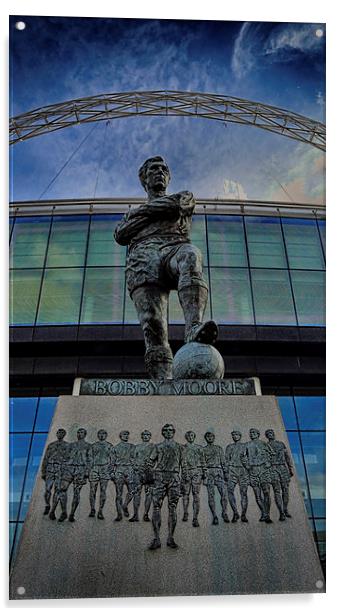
{"x": 104, "y": 558}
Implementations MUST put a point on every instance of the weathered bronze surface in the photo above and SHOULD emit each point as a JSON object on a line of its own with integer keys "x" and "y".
{"x": 161, "y": 258}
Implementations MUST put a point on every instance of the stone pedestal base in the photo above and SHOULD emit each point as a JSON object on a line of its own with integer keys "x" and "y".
{"x": 103, "y": 558}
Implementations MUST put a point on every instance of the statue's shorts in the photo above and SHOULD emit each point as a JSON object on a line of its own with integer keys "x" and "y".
{"x": 140, "y": 480}
{"x": 238, "y": 475}
{"x": 193, "y": 480}
{"x": 100, "y": 471}
{"x": 124, "y": 475}
{"x": 166, "y": 484}
{"x": 259, "y": 476}
{"x": 75, "y": 473}
{"x": 148, "y": 263}
{"x": 280, "y": 473}
{"x": 53, "y": 471}
{"x": 215, "y": 477}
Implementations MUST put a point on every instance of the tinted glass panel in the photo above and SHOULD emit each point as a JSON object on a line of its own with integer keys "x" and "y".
{"x": 309, "y": 294}
{"x": 272, "y": 297}
{"x": 295, "y": 447}
{"x": 103, "y": 295}
{"x": 231, "y": 295}
{"x": 313, "y": 444}
{"x": 102, "y": 249}
{"x": 287, "y": 409}
{"x": 24, "y": 287}
{"x": 60, "y": 296}
{"x": 18, "y": 452}
{"x": 45, "y": 413}
{"x": 303, "y": 244}
{"x": 265, "y": 243}
{"x": 198, "y": 235}
{"x": 15, "y": 536}
{"x": 226, "y": 241}
{"x": 67, "y": 241}
{"x": 322, "y": 229}
{"x": 22, "y": 414}
{"x": 311, "y": 412}
{"x": 29, "y": 241}
{"x": 32, "y": 469}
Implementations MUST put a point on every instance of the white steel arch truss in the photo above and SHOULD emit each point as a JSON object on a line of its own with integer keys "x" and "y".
{"x": 167, "y": 103}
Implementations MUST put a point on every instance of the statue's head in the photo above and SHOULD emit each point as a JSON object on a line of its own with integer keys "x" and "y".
{"x": 154, "y": 174}
{"x": 61, "y": 433}
{"x": 254, "y": 433}
{"x": 102, "y": 435}
{"x": 209, "y": 437}
{"x": 145, "y": 436}
{"x": 270, "y": 434}
{"x": 124, "y": 436}
{"x": 190, "y": 436}
{"x": 168, "y": 431}
{"x": 81, "y": 434}
{"x": 236, "y": 435}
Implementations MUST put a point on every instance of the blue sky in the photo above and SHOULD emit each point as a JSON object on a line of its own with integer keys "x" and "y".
{"x": 56, "y": 59}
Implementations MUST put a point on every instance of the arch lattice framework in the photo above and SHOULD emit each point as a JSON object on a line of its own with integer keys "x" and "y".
{"x": 167, "y": 103}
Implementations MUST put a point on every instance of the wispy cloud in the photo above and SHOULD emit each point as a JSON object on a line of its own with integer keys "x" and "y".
{"x": 255, "y": 47}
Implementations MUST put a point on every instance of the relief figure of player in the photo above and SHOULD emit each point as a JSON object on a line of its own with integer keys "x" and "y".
{"x": 124, "y": 455}
{"x": 237, "y": 475}
{"x": 217, "y": 475}
{"x": 51, "y": 471}
{"x": 193, "y": 473}
{"x": 101, "y": 459}
{"x": 257, "y": 461}
{"x": 166, "y": 460}
{"x": 142, "y": 454}
{"x": 281, "y": 472}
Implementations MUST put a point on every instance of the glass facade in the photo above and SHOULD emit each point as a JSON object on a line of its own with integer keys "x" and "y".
{"x": 260, "y": 269}
{"x": 304, "y": 418}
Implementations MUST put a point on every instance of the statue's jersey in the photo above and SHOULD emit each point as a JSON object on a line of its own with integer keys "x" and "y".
{"x": 214, "y": 456}
{"x": 166, "y": 217}
{"x": 79, "y": 453}
{"x": 142, "y": 454}
{"x": 124, "y": 454}
{"x": 233, "y": 454}
{"x": 101, "y": 453}
{"x": 193, "y": 456}
{"x": 256, "y": 453}
{"x": 279, "y": 453}
{"x": 167, "y": 457}
{"x": 56, "y": 452}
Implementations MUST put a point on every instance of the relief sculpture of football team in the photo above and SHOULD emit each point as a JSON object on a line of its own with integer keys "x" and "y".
{"x": 167, "y": 469}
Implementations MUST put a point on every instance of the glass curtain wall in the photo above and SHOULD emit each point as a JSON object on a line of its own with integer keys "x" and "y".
{"x": 260, "y": 270}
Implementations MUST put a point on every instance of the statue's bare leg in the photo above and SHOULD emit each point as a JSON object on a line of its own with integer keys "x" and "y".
{"x": 285, "y": 498}
{"x": 119, "y": 483}
{"x": 195, "y": 503}
{"x": 211, "y": 501}
{"x": 147, "y": 504}
{"x": 75, "y": 502}
{"x": 151, "y": 303}
{"x": 244, "y": 502}
{"x": 187, "y": 265}
{"x": 224, "y": 499}
{"x": 232, "y": 500}
{"x": 102, "y": 497}
{"x": 156, "y": 518}
{"x": 93, "y": 492}
{"x": 47, "y": 495}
